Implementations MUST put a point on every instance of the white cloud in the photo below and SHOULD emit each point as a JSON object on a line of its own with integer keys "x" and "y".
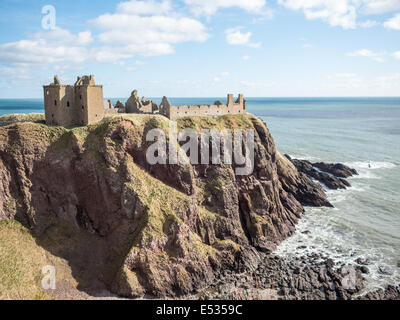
{"x": 380, "y": 6}
{"x": 210, "y": 7}
{"x": 236, "y": 38}
{"x": 368, "y": 54}
{"x": 306, "y": 45}
{"x": 393, "y": 23}
{"x": 246, "y": 58}
{"x": 368, "y": 24}
{"x": 129, "y": 29}
{"x": 149, "y": 7}
{"x": 14, "y": 73}
{"x": 341, "y": 13}
{"x": 60, "y": 36}
{"x": 396, "y": 55}
{"x": 335, "y": 12}
{"x": 47, "y": 48}
{"x": 342, "y": 76}
{"x": 389, "y": 81}
{"x": 221, "y": 76}
{"x": 134, "y": 31}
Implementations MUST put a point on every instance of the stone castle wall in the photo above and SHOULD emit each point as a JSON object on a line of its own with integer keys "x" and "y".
{"x": 214, "y": 110}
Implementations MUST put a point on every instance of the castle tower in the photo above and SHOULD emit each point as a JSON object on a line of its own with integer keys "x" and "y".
{"x": 67, "y": 105}
{"x": 230, "y": 100}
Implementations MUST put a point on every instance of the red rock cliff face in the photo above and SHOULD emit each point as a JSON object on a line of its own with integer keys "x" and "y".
{"x": 89, "y": 196}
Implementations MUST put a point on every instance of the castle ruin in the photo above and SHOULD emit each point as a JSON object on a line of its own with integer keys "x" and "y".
{"x": 83, "y": 104}
{"x": 80, "y": 104}
{"x": 214, "y": 110}
{"x": 135, "y": 105}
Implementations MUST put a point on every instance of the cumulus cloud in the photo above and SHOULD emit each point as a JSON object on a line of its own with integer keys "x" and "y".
{"x": 393, "y": 23}
{"x": 396, "y": 55}
{"x": 149, "y": 7}
{"x": 341, "y": 13}
{"x": 54, "y": 46}
{"x": 133, "y": 31}
{"x": 210, "y": 7}
{"x": 380, "y": 6}
{"x": 137, "y": 28}
{"x": 236, "y": 38}
{"x": 368, "y": 54}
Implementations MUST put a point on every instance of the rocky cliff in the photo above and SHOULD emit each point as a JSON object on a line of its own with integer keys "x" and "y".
{"x": 89, "y": 197}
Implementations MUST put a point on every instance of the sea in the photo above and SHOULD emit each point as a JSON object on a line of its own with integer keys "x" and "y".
{"x": 363, "y": 133}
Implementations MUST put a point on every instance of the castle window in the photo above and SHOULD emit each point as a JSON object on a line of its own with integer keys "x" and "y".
{"x": 80, "y": 96}
{"x": 55, "y": 102}
{"x": 47, "y": 92}
{"x": 67, "y": 103}
{"x": 83, "y": 107}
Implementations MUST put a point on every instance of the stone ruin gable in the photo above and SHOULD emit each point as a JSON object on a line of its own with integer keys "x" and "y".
{"x": 136, "y": 105}
{"x": 108, "y": 104}
{"x": 165, "y": 107}
{"x": 214, "y": 110}
{"x": 80, "y": 104}
{"x": 109, "y": 108}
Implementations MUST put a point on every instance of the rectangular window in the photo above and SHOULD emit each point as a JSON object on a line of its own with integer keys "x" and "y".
{"x": 55, "y": 102}
{"x": 67, "y": 103}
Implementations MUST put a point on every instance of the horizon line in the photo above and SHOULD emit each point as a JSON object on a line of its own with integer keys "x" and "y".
{"x": 251, "y": 97}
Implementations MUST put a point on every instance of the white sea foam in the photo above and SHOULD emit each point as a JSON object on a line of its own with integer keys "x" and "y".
{"x": 308, "y": 158}
{"x": 371, "y": 165}
{"x": 320, "y": 232}
{"x": 370, "y": 169}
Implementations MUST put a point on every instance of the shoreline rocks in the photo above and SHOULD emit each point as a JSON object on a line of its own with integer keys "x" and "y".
{"x": 276, "y": 278}
{"x": 330, "y": 175}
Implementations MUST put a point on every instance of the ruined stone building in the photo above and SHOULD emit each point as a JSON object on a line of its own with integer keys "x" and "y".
{"x": 135, "y": 105}
{"x": 80, "y": 104}
{"x": 214, "y": 110}
{"x": 83, "y": 104}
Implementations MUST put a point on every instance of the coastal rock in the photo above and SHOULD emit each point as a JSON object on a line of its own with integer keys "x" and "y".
{"x": 385, "y": 270}
{"x": 162, "y": 230}
{"x": 363, "y": 262}
{"x": 329, "y": 175}
{"x": 337, "y": 169}
{"x": 300, "y": 185}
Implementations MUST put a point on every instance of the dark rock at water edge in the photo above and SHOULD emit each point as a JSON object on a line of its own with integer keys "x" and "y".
{"x": 330, "y": 175}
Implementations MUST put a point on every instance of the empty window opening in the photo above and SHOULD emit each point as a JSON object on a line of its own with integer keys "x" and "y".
{"x": 67, "y": 103}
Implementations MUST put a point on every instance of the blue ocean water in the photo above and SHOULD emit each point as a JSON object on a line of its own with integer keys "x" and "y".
{"x": 363, "y": 133}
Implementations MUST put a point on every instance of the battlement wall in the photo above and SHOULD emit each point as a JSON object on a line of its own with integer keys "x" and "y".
{"x": 214, "y": 110}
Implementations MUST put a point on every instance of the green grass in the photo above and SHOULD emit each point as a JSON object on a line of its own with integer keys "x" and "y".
{"x": 21, "y": 263}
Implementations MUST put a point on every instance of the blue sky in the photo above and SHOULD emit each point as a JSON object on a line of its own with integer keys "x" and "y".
{"x": 200, "y": 48}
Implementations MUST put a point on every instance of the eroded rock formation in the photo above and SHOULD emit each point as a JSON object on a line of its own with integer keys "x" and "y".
{"x": 89, "y": 196}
